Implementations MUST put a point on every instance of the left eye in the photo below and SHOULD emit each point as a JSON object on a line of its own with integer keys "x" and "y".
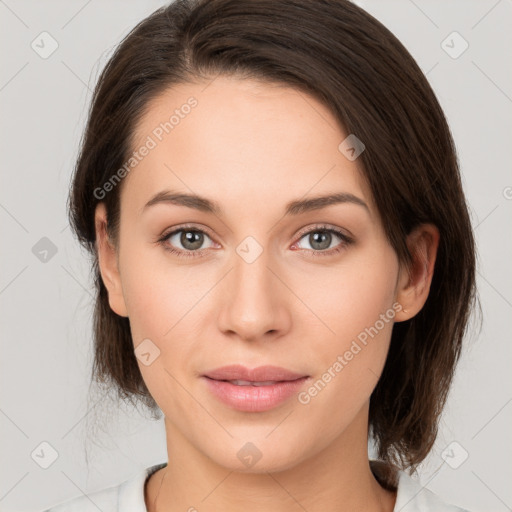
{"x": 321, "y": 239}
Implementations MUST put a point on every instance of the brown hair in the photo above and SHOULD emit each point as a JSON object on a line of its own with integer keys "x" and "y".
{"x": 348, "y": 60}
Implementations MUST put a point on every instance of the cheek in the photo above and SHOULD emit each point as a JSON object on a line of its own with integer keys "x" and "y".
{"x": 164, "y": 306}
{"x": 159, "y": 294}
{"x": 350, "y": 296}
{"x": 353, "y": 320}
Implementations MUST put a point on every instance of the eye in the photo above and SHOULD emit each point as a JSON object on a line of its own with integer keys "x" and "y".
{"x": 185, "y": 241}
{"x": 321, "y": 238}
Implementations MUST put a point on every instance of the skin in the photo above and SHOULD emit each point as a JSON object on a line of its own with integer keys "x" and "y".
{"x": 253, "y": 147}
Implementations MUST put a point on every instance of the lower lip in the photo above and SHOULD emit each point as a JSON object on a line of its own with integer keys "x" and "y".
{"x": 254, "y": 398}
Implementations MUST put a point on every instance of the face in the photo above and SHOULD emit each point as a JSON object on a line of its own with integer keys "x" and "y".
{"x": 311, "y": 290}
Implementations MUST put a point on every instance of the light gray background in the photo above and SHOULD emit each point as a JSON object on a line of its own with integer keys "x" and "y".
{"x": 46, "y": 306}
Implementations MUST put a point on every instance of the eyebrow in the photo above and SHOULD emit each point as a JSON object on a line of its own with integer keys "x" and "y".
{"x": 292, "y": 208}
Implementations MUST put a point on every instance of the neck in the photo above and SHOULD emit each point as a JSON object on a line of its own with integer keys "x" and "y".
{"x": 338, "y": 478}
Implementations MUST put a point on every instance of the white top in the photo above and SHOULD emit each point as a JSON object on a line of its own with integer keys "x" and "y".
{"x": 128, "y": 496}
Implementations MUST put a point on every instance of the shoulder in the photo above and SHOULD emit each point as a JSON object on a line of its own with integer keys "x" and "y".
{"x": 412, "y": 496}
{"x": 128, "y": 495}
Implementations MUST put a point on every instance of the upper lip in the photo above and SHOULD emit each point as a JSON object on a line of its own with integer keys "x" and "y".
{"x": 259, "y": 374}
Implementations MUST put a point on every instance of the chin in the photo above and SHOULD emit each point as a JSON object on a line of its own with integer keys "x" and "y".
{"x": 258, "y": 457}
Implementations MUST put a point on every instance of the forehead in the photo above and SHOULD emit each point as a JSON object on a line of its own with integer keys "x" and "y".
{"x": 241, "y": 139}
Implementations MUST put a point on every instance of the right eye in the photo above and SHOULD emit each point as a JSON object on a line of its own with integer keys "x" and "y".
{"x": 190, "y": 239}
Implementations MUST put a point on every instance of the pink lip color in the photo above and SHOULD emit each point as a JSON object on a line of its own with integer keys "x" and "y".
{"x": 261, "y": 373}
{"x": 254, "y": 398}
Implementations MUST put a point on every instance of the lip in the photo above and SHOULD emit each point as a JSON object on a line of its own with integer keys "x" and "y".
{"x": 250, "y": 398}
{"x": 259, "y": 374}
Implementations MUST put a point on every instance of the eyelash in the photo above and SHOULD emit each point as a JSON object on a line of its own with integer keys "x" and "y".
{"x": 346, "y": 241}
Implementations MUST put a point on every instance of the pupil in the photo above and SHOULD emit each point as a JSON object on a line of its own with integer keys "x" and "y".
{"x": 320, "y": 237}
{"x": 191, "y": 240}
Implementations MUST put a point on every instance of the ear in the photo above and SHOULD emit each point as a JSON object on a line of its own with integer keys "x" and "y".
{"x": 413, "y": 284}
{"x": 108, "y": 262}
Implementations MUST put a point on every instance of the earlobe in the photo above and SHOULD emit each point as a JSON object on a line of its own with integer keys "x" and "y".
{"x": 107, "y": 262}
{"x": 414, "y": 281}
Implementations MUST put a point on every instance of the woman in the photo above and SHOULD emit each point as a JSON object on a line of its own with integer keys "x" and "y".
{"x": 283, "y": 255}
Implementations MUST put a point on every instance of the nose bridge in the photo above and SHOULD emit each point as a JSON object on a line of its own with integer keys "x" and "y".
{"x": 252, "y": 305}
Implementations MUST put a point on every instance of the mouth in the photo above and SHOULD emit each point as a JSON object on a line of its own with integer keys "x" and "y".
{"x": 254, "y": 383}
{"x": 261, "y": 376}
{"x": 254, "y": 395}
{"x": 251, "y": 383}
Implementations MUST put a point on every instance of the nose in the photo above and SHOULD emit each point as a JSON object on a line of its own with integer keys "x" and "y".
{"x": 254, "y": 302}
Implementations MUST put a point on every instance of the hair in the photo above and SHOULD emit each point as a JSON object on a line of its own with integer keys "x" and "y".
{"x": 345, "y": 58}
